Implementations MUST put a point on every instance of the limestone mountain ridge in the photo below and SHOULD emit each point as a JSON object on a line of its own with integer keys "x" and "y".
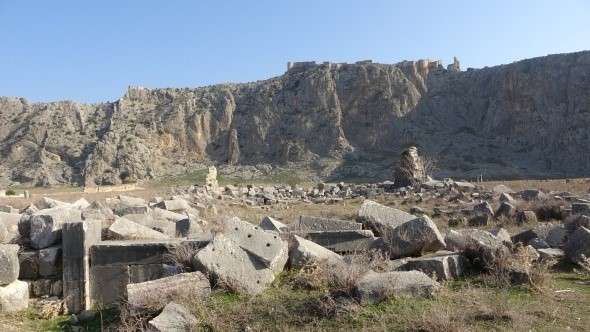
{"x": 525, "y": 119}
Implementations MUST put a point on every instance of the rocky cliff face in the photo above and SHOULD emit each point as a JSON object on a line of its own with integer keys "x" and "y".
{"x": 529, "y": 118}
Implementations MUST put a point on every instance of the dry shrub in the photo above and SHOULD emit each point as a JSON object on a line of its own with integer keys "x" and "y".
{"x": 181, "y": 256}
{"x": 439, "y": 318}
{"x": 130, "y": 321}
{"x": 328, "y": 306}
{"x": 545, "y": 209}
{"x": 518, "y": 267}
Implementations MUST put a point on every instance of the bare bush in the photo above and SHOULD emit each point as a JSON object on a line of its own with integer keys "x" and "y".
{"x": 181, "y": 256}
{"x": 519, "y": 267}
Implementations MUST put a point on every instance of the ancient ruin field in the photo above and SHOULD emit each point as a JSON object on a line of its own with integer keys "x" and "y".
{"x": 516, "y": 290}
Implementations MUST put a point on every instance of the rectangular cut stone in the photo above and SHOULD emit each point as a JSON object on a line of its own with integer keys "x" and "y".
{"x": 343, "y": 241}
{"x": 581, "y": 208}
{"x": 77, "y": 239}
{"x": 9, "y": 265}
{"x": 269, "y": 248}
{"x": 46, "y": 225}
{"x": 107, "y": 285}
{"x": 131, "y": 252}
{"x": 28, "y": 264}
{"x": 156, "y": 293}
{"x": 50, "y": 261}
{"x": 313, "y": 224}
{"x": 378, "y": 217}
{"x": 444, "y": 265}
{"x": 14, "y": 296}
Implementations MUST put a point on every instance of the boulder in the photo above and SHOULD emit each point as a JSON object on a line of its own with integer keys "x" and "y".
{"x": 377, "y": 217}
{"x": 479, "y": 246}
{"x": 502, "y": 235}
{"x": 174, "y": 318}
{"x": 150, "y": 295}
{"x": 9, "y": 265}
{"x": 28, "y": 262}
{"x": 557, "y": 237}
{"x": 132, "y": 201}
{"x": 7, "y": 209}
{"x": 14, "y": 296}
{"x": 377, "y": 287}
{"x": 550, "y": 253}
{"x": 188, "y": 226}
{"x": 577, "y": 247}
{"x": 502, "y": 189}
{"x": 411, "y": 238}
{"x": 123, "y": 229}
{"x": 530, "y": 194}
{"x": 46, "y": 225}
{"x": 81, "y": 204}
{"x": 303, "y": 252}
{"x": 538, "y": 243}
{"x": 506, "y": 198}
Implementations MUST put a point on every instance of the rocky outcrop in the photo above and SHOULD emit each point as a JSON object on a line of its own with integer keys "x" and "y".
{"x": 528, "y": 118}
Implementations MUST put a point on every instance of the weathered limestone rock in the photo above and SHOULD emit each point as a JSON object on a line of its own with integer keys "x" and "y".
{"x": 14, "y": 296}
{"x": 540, "y": 231}
{"x": 502, "y": 235}
{"x": 557, "y": 237}
{"x": 133, "y": 201}
{"x": 230, "y": 265}
{"x": 530, "y": 194}
{"x": 538, "y": 243}
{"x": 268, "y": 248}
{"x": 154, "y": 294}
{"x": 526, "y": 217}
{"x": 442, "y": 265}
{"x": 211, "y": 180}
{"x": 317, "y": 224}
{"x": 9, "y": 265}
{"x": 77, "y": 239}
{"x": 411, "y": 238}
{"x": 47, "y": 203}
{"x": 188, "y": 226}
{"x": 577, "y": 247}
{"x": 502, "y": 189}
{"x": 506, "y": 198}
{"x": 377, "y": 287}
{"x": 158, "y": 213}
{"x": 505, "y": 210}
{"x": 28, "y": 264}
{"x": 271, "y": 224}
{"x": 346, "y": 241}
{"x": 176, "y": 205}
{"x": 479, "y": 246}
{"x": 7, "y": 209}
{"x": 304, "y": 252}
{"x": 550, "y": 253}
{"x": 464, "y": 186}
{"x": 81, "y": 204}
{"x": 123, "y": 229}
{"x": 50, "y": 261}
{"x": 410, "y": 169}
{"x": 174, "y": 318}
{"x": 46, "y": 225}
{"x": 122, "y": 209}
{"x": 581, "y": 208}
{"x": 377, "y": 217}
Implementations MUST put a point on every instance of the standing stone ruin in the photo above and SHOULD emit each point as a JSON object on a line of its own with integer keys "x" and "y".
{"x": 410, "y": 169}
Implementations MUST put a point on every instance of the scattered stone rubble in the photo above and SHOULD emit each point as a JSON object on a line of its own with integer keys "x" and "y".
{"x": 97, "y": 254}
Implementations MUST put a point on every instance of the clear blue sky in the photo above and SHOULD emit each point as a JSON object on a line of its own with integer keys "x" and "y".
{"x": 90, "y": 51}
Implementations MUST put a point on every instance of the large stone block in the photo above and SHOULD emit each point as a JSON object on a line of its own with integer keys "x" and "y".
{"x": 156, "y": 293}
{"x": 540, "y": 232}
{"x": 378, "y": 217}
{"x": 377, "y": 287}
{"x": 46, "y": 225}
{"x": 268, "y": 248}
{"x": 317, "y": 224}
{"x": 122, "y": 209}
{"x": 344, "y": 241}
{"x": 131, "y": 252}
{"x": 132, "y": 201}
{"x": 14, "y": 296}
{"x": 9, "y": 266}
{"x": 577, "y": 247}
{"x": 28, "y": 264}
{"x": 123, "y": 229}
{"x": 50, "y": 261}
{"x": 78, "y": 237}
{"x": 304, "y": 251}
{"x": 229, "y": 265}
{"x": 174, "y": 318}
{"x": 107, "y": 285}
{"x": 443, "y": 265}
{"x": 411, "y": 238}
{"x": 479, "y": 246}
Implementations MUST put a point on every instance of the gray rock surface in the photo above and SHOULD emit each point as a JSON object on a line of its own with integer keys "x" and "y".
{"x": 377, "y": 287}
{"x": 377, "y": 217}
{"x": 9, "y": 264}
{"x": 304, "y": 251}
{"x": 174, "y": 318}
{"x": 46, "y": 225}
{"x": 14, "y": 296}
{"x": 271, "y": 224}
{"x": 123, "y": 229}
{"x": 442, "y": 265}
{"x": 411, "y": 238}
{"x": 577, "y": 247}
